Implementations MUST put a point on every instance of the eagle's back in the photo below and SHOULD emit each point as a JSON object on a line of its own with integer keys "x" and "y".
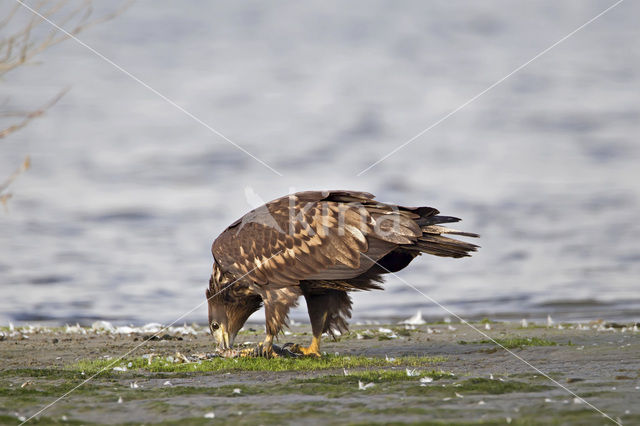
{"x": 330, "y": 235}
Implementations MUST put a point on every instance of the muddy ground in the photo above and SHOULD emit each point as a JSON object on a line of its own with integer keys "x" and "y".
{"x": 459, "y": 377}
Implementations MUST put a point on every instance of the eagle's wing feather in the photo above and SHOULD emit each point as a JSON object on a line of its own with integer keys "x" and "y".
{"x": 296, "y": 237}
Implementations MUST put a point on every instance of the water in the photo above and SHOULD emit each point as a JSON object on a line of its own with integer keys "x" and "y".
{"x": 116, "y": 217}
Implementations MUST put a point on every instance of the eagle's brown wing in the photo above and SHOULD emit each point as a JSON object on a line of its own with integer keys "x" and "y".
{"x": 318, "y": 235}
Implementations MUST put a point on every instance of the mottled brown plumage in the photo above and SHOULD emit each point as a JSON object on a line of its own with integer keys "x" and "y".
{"x": 319, "y": 245}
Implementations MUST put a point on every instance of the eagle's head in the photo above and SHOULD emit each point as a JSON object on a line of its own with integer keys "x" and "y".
{"x": 230, "y": 305}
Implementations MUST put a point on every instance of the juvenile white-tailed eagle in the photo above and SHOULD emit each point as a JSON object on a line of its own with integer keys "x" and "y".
{"x": 319, "y": 245}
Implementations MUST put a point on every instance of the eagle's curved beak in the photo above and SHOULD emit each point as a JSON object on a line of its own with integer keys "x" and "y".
{"x": 222, "y": 337}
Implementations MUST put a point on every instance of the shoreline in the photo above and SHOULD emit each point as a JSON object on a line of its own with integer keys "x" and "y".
{"x": 537, "y": 317}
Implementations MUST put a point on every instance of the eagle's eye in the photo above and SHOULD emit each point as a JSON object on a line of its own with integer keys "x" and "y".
{"x": 214, "y": 325}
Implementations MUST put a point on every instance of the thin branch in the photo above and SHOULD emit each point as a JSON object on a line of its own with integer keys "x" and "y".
{"x": 32, "y": 115}
{"x": 21, "y": 46}
{"x": 9, "y": 16}
{"x": 5, "y": 196}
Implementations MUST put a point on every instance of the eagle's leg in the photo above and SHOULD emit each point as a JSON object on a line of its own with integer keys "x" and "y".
{"x": 276, "y": 308}
{"x": 327, "y": 311}
{"x": 312, "y": 350}
{"x": 318, "y": 317}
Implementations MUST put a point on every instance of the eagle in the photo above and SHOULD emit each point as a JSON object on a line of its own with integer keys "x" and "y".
{"x": 320, "y": 245}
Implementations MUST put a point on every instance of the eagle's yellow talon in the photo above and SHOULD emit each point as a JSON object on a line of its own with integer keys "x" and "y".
{"x": 309, "y": 351}
{"x": 312, "y": 350}
{"x": 266, "y": 351}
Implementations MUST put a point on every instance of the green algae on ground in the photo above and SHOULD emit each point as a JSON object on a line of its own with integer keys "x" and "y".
{"x": 336, "y": 386}
{"x": 377, "y": 376}
{"x": 405, "y": 332}
{"x": 514, "y": 342}
{"x": 161, "y": 364}
{"x": 479, "y": 386}
{"x": 330, "y": 386}
{"x": 41, "y": 372}
{"x": 391, "y": 382}
{"x": 165, "y": 392}
{"x": 492, "y": 386}
{"x": 33, "y": 391}
{"x": 12, "y": 420}
{"x": 256, "y": 417}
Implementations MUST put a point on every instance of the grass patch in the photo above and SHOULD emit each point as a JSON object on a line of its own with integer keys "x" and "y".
{"x": 378, "y": 376}
{"x": 387, "y": 382}
{"x": 160, "y": 364}
{"x": 398, "y": 383}
{"x": 261, "y": 417}
{"x": 557, "y": 375}
{"x": 402, "y": 331}
{"x": 46, "y": 389}
{"x": 49, "y": 373}
{"x": 582, "y": 416}
{"x": 477, "y": 385}
{"x": 168, "y": 392}
{"x": 496, "y": 387}
{"x": 13, "y": 420}
{"x": 514, "y": 342}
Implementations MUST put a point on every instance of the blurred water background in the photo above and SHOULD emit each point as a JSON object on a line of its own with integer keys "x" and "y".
{"x": 116, "y": 217}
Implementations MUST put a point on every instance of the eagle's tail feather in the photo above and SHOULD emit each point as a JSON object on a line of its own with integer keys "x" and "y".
{"x": 438, "y": 245}
{"x": 434, "y": 242}
{"x": 435, "y": 229}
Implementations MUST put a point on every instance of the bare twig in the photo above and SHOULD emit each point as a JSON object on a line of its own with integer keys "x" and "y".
{"x": 21, "y": 44}
{"x": 4, "y": 195}
{"x": 31, "y": 115}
